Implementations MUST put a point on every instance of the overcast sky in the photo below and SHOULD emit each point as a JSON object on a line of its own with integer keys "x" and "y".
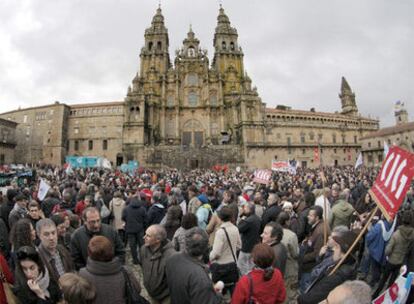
{"x": 78, "y": 51}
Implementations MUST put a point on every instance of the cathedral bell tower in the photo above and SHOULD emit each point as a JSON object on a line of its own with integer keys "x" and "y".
{"x": 228, "y": 56}
{"x": 347, "y": 97}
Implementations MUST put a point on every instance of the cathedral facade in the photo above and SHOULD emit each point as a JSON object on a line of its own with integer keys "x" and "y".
{"x": 190, "y": 113}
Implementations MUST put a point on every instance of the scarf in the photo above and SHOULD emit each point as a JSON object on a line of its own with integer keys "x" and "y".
{"x": 43, "y": 280}
{"x": 20, "y": 210}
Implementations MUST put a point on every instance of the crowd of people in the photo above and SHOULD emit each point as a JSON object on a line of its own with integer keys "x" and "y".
{"x": 199, "y": 236}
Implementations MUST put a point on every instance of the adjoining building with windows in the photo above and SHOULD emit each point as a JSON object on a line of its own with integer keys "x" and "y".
{"x": 191, "y": 113}
{"x": 7, "y": 141}
{"x": 402, "y": 135}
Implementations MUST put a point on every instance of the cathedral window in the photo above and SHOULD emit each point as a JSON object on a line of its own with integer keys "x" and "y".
{"x": 170, "y": 101}
{"x": 192, "y": 99}
{"x": 232, "y": 46}
{"x": 90, "y": 144}
{"x": 150, "y": 45}
{"x": 302, "y": 138}
{"x": 191, "y": 52}
{"x": 192, "y": 79}
{"x": 76, "y": 148}
{"x": 213, "y": 98}
{"x": 355, "y": 139}
{"x": 159, "y": 45}
{"x": 334, "y": 138}
{"x": 223, "y": 45}
{"x": 311, "y": 136}
{"x": 105, "y": 144}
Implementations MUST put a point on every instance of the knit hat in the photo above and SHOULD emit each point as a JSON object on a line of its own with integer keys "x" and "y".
{"x": 345, "y": 240}
{"x": 203, "y": 198}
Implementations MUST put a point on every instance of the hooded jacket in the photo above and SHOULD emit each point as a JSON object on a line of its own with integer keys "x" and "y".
{"x": 108, "y": 279}
{"x": 398, "y": 247}
{"x": 116, "y": 206}
{"x": 134, "y": 216}
{"x": 377, "y": 238}
{"x": 341, "y": 214}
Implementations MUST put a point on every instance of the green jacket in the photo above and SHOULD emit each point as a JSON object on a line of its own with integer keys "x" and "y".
{"x": 399, "y": 244}
{"x": 341, "y": 214}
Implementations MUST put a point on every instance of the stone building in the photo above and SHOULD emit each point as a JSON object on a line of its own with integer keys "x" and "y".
{"x": 402, "y": 135}
{"x": 191, "y": 113}
{"x": 7, "y": 141}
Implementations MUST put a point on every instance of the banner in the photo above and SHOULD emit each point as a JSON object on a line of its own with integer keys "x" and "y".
{"x": 398, "y": 291}
{"x": 280, "y": 166}
{"x": 316, "y": 154}
{"x": 359, "y": 161}
{"x": 43, "y": 189}
{"x": 393, "y": 181}
{"x": 262, "y": 176}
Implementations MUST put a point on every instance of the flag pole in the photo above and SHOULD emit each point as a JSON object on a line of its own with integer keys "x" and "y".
{"x": 355, "y": 242}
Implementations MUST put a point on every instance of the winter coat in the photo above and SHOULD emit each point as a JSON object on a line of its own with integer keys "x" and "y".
{"x": 25, "y": 295}
{"x": 109, "y": 281}
{"x": 270, "y": 214}
{"x": 312, "y": 246}
{"x": 8, "y": 277}
{"x": 249, "y": 229}
{"x": 134, "y": 216}
{"x": 155, "y": 214}
{"x": 203, "y": 213}
{"x": 290, "y": 240}
{"x": 4, "y": 239}
{"x": 65, "y": 257}
{"x": 324, "y": 284}
{"x": 265, "y": 292}
{"x": 221, "y": 252}
{"x": 153, "y": 269}
{"x": 341, "y": 214}
{"x": 189, "y": 282}
{"x": 376, "y": 242}
{"x": 193, "y": 205}
{"x": 281, "y": 256}
{"x": 399, "y": 245}
{"x": 48, "y": 204}
{"x": 116, "y": 206}
{"x": 212, "y": 227}
{"x": 16, "y": 214}
{"x": 173, "y": 220}
{"x": 178, "y": 240}
{"x": 80, "y": 240}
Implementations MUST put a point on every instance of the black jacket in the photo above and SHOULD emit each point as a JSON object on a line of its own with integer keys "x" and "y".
{"x": 270, "y": 214}
{"x": 134, "y": 216}
{"x": 4, "y": 239}
{"x": 189, "y": 282}
{"x": 324, "y": 284}
{"x": 155, "y": 214}
{"x": 26, "y": 296}
{"x": 249, "y": 229}
{"x": 48, "y": 204}
{"x": 80, "y": 240}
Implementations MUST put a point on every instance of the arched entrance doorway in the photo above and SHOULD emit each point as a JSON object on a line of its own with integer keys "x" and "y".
{"x": 119, "y": 159}
{"x": 192, "y": 134}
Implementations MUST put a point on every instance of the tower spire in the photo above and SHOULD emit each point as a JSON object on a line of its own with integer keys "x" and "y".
{"x": 347, "y": 97}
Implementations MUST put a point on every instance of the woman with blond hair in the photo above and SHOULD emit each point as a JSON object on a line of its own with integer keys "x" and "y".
{"x": 76, "y": 290}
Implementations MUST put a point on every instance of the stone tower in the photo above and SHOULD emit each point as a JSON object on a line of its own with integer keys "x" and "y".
{"x": 347, "y": 97}
{"x": 400, "y": 113}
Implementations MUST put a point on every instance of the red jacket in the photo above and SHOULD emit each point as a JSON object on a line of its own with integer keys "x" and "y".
{"x": 264, "y": 292}
{"x": 9, "y": 278}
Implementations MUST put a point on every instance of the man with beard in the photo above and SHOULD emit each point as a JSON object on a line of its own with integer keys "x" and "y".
{"x": 93, "y": 226}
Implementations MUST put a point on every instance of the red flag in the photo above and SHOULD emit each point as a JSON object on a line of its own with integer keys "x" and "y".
{"x": 316, "y": 154}
{"x": 393, "y": 181}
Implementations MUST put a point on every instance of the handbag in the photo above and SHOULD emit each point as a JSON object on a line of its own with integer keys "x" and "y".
{"x": 228, "y": 273}
{"x": 10, "y": 296}
{"x": 132, "y": 296}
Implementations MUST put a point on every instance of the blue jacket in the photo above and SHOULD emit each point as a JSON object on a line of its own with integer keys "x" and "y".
{"x": 376, "y": 242}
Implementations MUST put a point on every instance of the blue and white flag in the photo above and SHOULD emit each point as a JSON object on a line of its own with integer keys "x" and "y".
{"x": 43, "y": 189}
{"x": 359, "y": 161}
{"x": 386, "y": 148}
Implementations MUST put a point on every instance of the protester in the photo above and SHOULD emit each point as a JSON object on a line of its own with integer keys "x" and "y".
{"x": 116, "y": 206}
{"x": 134, "y": 216}
{"x": 249, "y": 228}
{"x": 93, "y": 226}
{"x": 350, "y": 292}
{"x": 272, "y": 235}
{"x": 154, "y": 254}
{"x": 223, "y": 255}
{"x": 187, "y": 279}
{"x": 189, "y": 221}
{"x": 55, "y": 257}
{"x": 19, "y": 210}
{"x": 77, "y": 290}
{"x": 264, "y": 284}
{"x": 33, "y": 283}
{"x": 342, "y": 212}
{"x": 6, "y": 276}
{"x": 105, "y": 271}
